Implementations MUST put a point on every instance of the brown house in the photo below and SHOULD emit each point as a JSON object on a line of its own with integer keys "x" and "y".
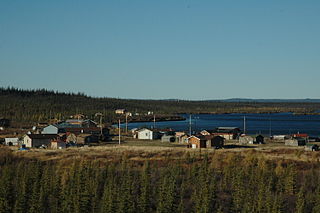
{"x": 206, "y": 141}
{"x": 197, "y": 142}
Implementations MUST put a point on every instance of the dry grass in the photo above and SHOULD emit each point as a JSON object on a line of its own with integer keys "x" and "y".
{"x": 155, "y": 151}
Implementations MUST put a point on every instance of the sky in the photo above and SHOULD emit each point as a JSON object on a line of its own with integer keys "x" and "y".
{"x": 161, "y": 49}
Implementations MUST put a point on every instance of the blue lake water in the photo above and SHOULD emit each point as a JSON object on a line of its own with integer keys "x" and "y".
{"x": 276, "y": 123}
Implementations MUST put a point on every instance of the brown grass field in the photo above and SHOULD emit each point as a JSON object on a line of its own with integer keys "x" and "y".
{"x": 140, "y": 151}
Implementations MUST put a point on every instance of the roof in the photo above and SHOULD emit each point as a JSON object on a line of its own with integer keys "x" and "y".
{"x": 202, "y": 137}
{"x": 300, "y": 135}
{"x": 140, "y": 130}
{"x": 79, "y": 129}
{"x": 84, "y": 135}
{"x": 228, "y": 128}
{"x": 42, "y": 136}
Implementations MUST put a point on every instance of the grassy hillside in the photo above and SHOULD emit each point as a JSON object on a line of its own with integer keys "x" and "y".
{"x": 31, "y": 106}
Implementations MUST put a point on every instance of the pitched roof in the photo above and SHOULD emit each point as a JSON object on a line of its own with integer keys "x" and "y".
{"x": 42, "y": 136}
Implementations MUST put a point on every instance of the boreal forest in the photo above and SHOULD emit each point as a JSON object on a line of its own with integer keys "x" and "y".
{"x": 40, "y": 105}
{"x": 194, "y": 182}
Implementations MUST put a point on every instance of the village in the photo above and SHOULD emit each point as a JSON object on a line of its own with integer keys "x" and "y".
{"x": 78, "y": 131}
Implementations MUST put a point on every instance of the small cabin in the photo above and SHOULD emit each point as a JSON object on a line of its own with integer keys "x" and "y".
{"x": 246, "y": 139}
{"x": 311, "y": 147}
{"x": 147, "y": 134}
{"x": 11, "y": 141}
{"x": 168, "y": 138}
{"x": 207, "y": 141}
{"x": 295, "y": 142}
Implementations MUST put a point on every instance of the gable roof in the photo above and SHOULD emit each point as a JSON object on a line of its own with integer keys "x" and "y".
{"x": 42, "y": 136}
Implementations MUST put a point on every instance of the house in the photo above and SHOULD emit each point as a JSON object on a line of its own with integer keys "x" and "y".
{"x": 259, "y": 139}
{"x": 245, "y": 139}
{"x": 206, "y": 141}
{"x": 197, "y": 142}
{"x": 229, "y": 133}
{"x": 205, "y": 132}
{"x": 181, "y": 137}
{"x": 311, "y": 147}
{"x": 295, "y": 142}
{"x": 300, "y": 135}
{"x": 58, "y": 144}
{"x": 11, "y": 141}
{"x": 37, "y": 140}
{"x": 217, "y": 142}
{"x": 147, "y": 134}
{"x": 168, "y": 138}
{"x": 86, "y": 139}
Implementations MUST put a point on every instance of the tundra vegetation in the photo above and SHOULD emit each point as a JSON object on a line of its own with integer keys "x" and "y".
{"x": 128, "y": 179}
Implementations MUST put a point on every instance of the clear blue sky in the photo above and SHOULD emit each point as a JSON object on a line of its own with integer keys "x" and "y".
{"x": 163, "y": 48}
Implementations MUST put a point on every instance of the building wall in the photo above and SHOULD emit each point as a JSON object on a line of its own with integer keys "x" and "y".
{"x": 50, "y": 130}
{"x": 27, "y": 141}
{"x": 72, "y": 138}
{"x": 145, "y": 134}
{"x": 40, "y": 142}
{"x": 194, "y": 142}
{"x": 13, "y": 141}
{"x": 57, "y": 145}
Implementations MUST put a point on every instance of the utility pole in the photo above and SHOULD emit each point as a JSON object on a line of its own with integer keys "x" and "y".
{"x": 244, "y": 124}
{"x": 270, "y": 127}
{"x": 127, "y": 123}
{"x": 190, "y": 132}
{"x": 119, "y": 132}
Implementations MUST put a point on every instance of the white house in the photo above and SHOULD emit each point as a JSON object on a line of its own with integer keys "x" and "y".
{"x": 146, "y": 134}
{"x": 11, "y": 141}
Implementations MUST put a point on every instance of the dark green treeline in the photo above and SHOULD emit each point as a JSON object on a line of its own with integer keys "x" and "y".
{"x": 32, "y": 106}
{"x": 189, "y": 185}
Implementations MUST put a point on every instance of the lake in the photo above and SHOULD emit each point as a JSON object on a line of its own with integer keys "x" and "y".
{"x": 276, "y": 123}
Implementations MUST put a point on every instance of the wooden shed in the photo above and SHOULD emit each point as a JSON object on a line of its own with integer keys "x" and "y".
{"x": 196, "y": 142}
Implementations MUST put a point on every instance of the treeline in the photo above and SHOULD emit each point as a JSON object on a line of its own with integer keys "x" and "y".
{"x": 32, "y": 106}
{"x": 190, "y": 184}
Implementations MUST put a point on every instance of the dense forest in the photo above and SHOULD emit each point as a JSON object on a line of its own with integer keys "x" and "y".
{"x": 192, "y": 183}
{"x": 32, "y": 106}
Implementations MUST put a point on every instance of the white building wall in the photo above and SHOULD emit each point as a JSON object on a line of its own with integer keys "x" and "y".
{"x": 14, "y": 141}
{"x": 145, "y": 134}
{"x": 50, "y": 130}
{"x": 27, "y": 141}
